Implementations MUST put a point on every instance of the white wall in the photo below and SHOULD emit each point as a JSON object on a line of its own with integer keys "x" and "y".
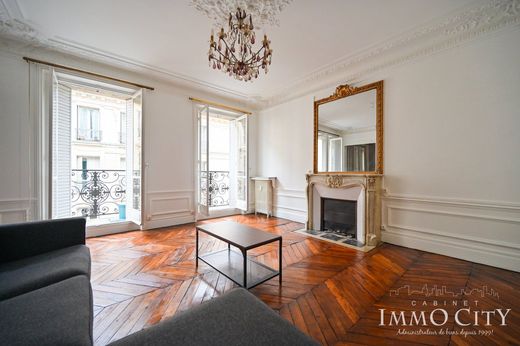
{"x": 285, "y": 151}
{"x": 451, "y": 148}
{"x": 451, "y": 151}
{"x": 15, "y": 176}
{"x": 168, "y": 139}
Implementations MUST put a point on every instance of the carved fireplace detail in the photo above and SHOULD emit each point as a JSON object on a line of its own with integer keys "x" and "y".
{"x": 365, "y": 189}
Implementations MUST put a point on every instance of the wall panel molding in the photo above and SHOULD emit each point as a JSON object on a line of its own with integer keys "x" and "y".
{"x": 290, "y": 204}
{"x": 474, "y": 230}
{"x": 462, "y": 215}
{"x": 168, "y": 208}
{"x": 16, "y": 210}
{"x": 297, "y": 194}
{"x": 289, "y": 213}
{"x": 477, "y": 203}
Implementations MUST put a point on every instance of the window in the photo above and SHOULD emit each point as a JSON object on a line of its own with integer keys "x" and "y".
{"x": 88, "y": 162}
{"x": 88, "y": 124}
{"x": 222, "y": 148}
{"x": 85, "y": 164}
{"x": 329, "y": 152}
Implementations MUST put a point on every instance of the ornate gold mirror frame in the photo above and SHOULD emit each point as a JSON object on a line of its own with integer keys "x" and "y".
{"x": 343, "y": 91}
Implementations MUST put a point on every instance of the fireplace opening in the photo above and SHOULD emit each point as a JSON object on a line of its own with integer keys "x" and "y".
{"x": 339, "y": 216}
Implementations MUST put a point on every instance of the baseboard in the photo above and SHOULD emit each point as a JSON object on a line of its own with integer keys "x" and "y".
{"x": 479, "y": 253}
{"x": 292, "y": 214}
{"x": 484, "y": 232}
{"x": 110, "y": 228}
{"x": 169, "y": 222}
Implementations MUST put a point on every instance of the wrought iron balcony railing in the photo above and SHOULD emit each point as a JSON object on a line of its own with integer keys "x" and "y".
{"x": 217, "y": 184}
{"x": 96, "y": 192}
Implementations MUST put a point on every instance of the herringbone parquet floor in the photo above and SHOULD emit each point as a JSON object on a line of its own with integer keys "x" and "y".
{"x": 330, "y": 292}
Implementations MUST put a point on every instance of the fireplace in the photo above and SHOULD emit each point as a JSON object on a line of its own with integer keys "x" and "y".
{"x": 345, "y": 209}
{"x": 339, "y": 216}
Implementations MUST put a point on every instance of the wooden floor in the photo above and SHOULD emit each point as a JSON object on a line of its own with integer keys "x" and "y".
{"x": 330, "y": 292}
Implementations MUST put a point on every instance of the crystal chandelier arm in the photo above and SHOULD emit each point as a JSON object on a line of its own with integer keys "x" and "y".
{"x": 255, "y": 55}
{"x": 229, "y": 50}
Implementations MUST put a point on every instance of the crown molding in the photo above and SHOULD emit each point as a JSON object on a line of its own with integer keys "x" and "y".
{"x": 14, "y": 26}
{"x": 348, "y": 130}
{"x": 71, "y": 47}
{"x": 450, "y": 31}
{"x": 11, "y": 9}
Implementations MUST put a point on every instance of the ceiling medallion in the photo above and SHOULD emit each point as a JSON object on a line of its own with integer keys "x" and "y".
{"x": 265, "y": 12}
{"x": 233, "y": 51}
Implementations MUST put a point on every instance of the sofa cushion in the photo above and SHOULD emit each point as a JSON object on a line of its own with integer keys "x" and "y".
{"x": 59, "y": 314}
{"x": 21, "y": 276}
{"x": 236, "y": 318}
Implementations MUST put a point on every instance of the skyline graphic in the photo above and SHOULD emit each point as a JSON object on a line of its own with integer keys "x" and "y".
{"x": 442, "y": 291}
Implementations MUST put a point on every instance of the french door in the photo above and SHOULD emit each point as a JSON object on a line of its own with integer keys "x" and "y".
{"x": 241, "y": 162}
{"x": 336, "y": 154}
{"x": 221, "y": 189}
{"x": 203, "y": 193}
{"x": 61, "y": 149}
{"x": 111, "y": 190}
{"x": 133, "y": 171}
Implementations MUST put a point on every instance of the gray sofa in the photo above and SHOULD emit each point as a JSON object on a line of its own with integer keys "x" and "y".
{"x": 46, "y": 298}
{"x": 235, "y": 318}
{"x": 45, "y": 292}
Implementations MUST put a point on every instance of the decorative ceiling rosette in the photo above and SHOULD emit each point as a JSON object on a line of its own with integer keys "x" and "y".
{"x": 264, "y": 12}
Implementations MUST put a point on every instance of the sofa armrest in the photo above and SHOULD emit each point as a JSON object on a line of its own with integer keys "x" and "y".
{"x": 28, "y": 239}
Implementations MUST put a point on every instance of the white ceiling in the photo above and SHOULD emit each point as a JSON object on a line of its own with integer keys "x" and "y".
{"x": 172, "y": 37}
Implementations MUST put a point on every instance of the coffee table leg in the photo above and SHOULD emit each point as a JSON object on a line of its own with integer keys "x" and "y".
{"x": 196, "y": 247}
{"x": 280, "y": 260}
{"x": 244, "y": 253}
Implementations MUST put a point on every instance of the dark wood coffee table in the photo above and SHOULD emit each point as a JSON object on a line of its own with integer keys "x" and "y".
{"x": 236, "y": 266}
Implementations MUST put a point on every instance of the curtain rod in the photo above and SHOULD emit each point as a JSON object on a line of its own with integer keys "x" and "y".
{"x": 210, "y": 103}
{"x": 87, "y": 72}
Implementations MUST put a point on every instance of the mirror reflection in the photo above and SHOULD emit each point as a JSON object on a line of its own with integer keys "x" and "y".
{"x": 346, "y": 136}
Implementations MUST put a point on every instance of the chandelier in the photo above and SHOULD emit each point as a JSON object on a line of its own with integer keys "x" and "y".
{"x": 233, "y": 52}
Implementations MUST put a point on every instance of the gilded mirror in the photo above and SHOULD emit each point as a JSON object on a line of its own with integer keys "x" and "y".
{"x": 348, "y": 130}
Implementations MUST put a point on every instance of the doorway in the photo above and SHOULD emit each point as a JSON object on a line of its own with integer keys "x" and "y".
{"x": 96, "y": 151}
{"x": 222, "y": 162}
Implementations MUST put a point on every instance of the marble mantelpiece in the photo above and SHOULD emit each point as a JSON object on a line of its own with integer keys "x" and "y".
{"x": 366, "y": 189}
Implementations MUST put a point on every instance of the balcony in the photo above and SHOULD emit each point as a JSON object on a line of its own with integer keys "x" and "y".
{"x": 97, "y": 192}
{"x": 217, "y": 184}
